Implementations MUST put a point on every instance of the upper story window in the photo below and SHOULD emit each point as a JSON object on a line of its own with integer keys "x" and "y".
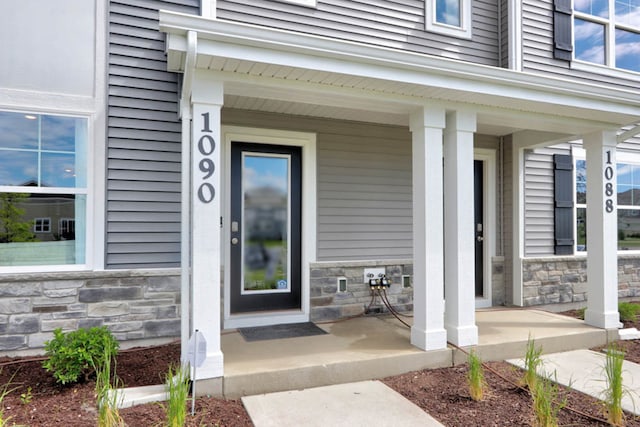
{"x": 451, "y": 17}
{"x": 43, "y": 181}
{"x": 607, "y": 32}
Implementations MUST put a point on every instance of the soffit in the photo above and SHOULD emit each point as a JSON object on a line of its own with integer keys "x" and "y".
{"x": 267, "y": 70}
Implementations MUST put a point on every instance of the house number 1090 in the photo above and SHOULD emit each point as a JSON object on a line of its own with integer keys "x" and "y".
{"x": 206, "y": 147}
{"x": 608, "y": 186}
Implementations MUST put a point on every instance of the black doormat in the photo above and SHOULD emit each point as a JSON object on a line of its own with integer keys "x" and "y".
{"x": 274, "y": 332}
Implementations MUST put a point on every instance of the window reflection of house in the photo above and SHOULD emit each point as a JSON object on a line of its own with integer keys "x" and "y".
{"x": 59, "y": 209}
{"x": 266, "y": 214}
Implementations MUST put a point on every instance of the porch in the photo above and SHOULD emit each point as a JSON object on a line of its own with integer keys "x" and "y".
{"x": 378, "y": 346}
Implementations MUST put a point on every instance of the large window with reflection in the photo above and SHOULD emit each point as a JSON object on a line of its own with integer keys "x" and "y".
{"x": 628, "y": 196}
{"x": 43, "y": 189}
{"x": 607, "y": 32}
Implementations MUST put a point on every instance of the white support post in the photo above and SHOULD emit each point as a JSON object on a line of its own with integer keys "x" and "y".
{"x": 602, "y": 231}
{"x": 206, "y": 168}
{"x": 428, "y": 331}
{"x": 459, "y": 244}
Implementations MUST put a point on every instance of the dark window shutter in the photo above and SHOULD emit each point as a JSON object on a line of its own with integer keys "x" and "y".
{"x": 562, "y": 43}
{"x": 563, "y": 198}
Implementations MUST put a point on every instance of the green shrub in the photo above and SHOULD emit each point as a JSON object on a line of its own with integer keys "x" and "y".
{"x": 77, "y": 353}
{"x": 628, "y": 311}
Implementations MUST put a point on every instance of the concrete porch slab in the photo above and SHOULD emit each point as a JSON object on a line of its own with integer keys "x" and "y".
{"x": 367, "y": 348}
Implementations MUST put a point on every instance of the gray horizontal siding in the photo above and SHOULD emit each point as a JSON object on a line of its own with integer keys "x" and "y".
{"x": 143, "y": 148}
{"x": 539, "y": 200}
{"x": 537, "y": 45}
{"x": 364, "y": 197}
{"x": 396, "y": 24}
{"x": 364, "y": 185}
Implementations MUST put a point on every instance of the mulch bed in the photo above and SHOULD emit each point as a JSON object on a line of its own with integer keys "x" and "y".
{"x": 443, "y": 393}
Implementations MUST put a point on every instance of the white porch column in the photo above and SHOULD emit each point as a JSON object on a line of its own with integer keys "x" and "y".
{"x": 602, "y": 230}
{"x": 459, "y": 223}
{"x": 206, "y": 196}
{"x": 428, "y": 331}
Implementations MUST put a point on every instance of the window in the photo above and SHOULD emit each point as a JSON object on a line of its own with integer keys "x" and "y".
{"x": 607, "y": 32}
{"x": 451, "y": 17}
{"x": 42, "y": 225}
{"x": 628, "y": 196}
{"x": 43, "y": 182}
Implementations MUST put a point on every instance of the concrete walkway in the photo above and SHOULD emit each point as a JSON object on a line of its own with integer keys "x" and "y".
{"x": 583, "y": 370}
{"x": 361, "y": 404}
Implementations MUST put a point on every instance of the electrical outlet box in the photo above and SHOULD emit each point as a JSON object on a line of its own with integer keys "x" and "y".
{"x": 373, "y": 273}
{"x": 342, "y": 284}
{"x": 406, "y": 281}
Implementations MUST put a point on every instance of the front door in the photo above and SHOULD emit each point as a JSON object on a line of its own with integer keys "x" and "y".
{"x": 265, "y": 227}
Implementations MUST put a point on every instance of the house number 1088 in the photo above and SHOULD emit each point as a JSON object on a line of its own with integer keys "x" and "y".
{"x": 206, "y": 147}
{"x": 608, "y": 186}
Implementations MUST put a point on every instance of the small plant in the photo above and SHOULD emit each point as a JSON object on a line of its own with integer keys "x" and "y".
{"x": 177, "y": 386}
{"x": 75, "y": 354}
{"x": 27, "y": 396}
{"x": 532, "y": 362}
{"x": 475, "y": 377}
{"x": 628, "y": 311}
{"x": 107, "y": 395}
{"x": 546, "y": 402}
{"x": 4, "y": 392}
{"x": 614, "y": 390}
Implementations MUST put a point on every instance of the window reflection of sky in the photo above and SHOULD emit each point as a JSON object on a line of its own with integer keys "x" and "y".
{"x": 448, "y": 12}
{"x": 264, "y": 171}
{"x": 17, "y": 131}
{"x": 627, "y": 50}
{"x": 589, "y": 38}
{"x": 58, "y": 133}
{"x": 628, "y": 12}
{"x": 29, "y": 142}
{"x": 592, "y": 7}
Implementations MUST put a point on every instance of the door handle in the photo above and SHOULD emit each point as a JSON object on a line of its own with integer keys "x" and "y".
{"x": 234, "y": 241}
{"x": 479, "y": 238}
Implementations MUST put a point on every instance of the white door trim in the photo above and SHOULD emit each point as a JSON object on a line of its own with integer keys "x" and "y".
{"x": 307, "y": 141}
{"x": 488, "y": 157}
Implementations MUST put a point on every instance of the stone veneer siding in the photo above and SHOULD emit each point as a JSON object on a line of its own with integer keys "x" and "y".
{"x": 564, "y": 279}
{"x": 329, "y": 304}
{"x": 134, "y": 305}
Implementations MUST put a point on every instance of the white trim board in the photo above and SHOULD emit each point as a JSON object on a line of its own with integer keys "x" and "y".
{"x": 488, "y": 157}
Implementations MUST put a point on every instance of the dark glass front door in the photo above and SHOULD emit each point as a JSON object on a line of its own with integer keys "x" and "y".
{"x": 265, "y": 227}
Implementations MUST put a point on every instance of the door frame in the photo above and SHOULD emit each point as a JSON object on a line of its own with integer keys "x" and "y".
{"x": 488, "y": 157}
{"x": 307, "y": 142}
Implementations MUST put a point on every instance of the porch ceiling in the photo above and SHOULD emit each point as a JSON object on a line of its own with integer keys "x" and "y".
{"x": 278, "y": 71}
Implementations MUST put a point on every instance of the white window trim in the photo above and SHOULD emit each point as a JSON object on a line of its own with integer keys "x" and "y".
{"x": 621, "y": 157}
{"x": 592, "y": 67}
{"x": 463, "y": 32}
